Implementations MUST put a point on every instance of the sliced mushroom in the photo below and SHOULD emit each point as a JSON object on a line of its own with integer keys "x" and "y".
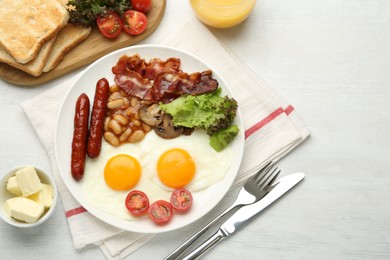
{"x": 188, "y": 131}
{"x": 150, "y": 115}
{"x": 166, "y": 129}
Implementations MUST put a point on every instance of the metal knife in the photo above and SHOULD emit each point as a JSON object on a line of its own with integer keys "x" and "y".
{"x": 245, "y": 213}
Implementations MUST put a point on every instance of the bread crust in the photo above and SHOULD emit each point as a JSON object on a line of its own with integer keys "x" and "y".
{"x": 34, "y": 67}
{"x": 26, "y": 26}
{"x": 67, "y": 39}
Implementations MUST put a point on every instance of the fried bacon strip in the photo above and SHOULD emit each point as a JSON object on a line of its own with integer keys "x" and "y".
{"x": 134, "y": 85}
{"x": 145, "y": 69}
{"x": 159, "y": 80}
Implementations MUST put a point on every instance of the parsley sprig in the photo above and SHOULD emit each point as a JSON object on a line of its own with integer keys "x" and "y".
{"x": 85, "y": 12}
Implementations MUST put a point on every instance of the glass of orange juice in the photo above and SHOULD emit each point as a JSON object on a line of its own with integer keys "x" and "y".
{"x": 222, "y": 13}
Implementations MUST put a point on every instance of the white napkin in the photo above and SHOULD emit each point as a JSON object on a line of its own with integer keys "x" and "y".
{"x": 272, "y": 129}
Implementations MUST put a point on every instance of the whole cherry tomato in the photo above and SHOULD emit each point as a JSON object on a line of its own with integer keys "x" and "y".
{"x": 142, "y": 5}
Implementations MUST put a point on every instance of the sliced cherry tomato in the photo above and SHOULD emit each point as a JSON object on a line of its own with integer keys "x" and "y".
{"x": 142, "y": 5}
{"x": 181, "y": 200}
{"x": 134, "y": 22}
{"x": 160, "y": 211}
{"x": 137, "y": 203}
{"x": 109, "y": 24}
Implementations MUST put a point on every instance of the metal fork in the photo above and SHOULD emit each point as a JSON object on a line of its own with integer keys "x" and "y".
{"x": 253, "y": 190}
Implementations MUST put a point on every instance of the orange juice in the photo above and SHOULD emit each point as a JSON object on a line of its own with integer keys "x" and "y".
{"x": 222, "y": 13}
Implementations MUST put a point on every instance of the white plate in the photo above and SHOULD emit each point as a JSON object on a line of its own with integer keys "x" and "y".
{"x": 204, "y": 200}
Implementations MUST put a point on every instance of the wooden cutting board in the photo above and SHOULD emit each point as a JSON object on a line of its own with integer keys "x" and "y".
{"x": 94, "y": 47}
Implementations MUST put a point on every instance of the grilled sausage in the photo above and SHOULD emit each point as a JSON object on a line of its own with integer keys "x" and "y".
{"x": 79, "y": 142}
{"x": 96, "y": 127}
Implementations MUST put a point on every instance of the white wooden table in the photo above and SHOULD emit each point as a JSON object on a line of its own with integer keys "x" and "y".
{"x": 330, "y": 60}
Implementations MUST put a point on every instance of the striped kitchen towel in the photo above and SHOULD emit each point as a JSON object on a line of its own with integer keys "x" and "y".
{"x": 272, "y": 129}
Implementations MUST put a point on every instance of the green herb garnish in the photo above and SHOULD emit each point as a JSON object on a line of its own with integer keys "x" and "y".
{"x": 85, "y": 12}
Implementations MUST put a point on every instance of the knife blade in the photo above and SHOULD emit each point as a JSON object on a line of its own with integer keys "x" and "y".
{"x": 246, "y": 213}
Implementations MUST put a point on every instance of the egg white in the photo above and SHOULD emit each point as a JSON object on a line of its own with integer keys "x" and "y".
{"x": 97, "y": 191}
{"x": 211, "y": 166}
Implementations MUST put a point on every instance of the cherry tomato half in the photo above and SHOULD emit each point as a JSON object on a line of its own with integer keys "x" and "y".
{"x": 181, "y": 200}
{"x": 137, "y": 203}
{"x": 109, "y": 24}
{"x": 160, "y": 211}
{"x": 142, "y": 5}
{"x": 134, "y": 22}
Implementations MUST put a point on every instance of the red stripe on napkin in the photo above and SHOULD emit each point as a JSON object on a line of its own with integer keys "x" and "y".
{"x": 248, "y": 132}
{"x": 289, "y": 109}
{"x": 75, "y": 211}
{"x": 267, "y": 120}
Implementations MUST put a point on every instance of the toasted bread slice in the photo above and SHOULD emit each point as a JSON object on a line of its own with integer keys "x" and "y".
{"x": 64, "y": 2}
{"x": 68, "y": 38}
{"x": 26, "y": 25}
{"x": 34, "y": 67}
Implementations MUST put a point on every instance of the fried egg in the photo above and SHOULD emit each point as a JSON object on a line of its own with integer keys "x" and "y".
{"x": 185, "y": 161}
{"x": 108, "y": 167}
{"x": 155, "y": 166}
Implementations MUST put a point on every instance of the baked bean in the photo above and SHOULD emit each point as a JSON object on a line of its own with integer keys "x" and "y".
{"x": 123, "y": 93}
{"x": 136, "y": 136}
{"x": 111, "y": 138}
{"x": 121, "y": 119}
{"x": 115, "y": 103}
{"x": 126, "y": 102}
{"x": 125, "y": 135}
{"x": 137, "y": 122}
{"x": 115, "y": 127}
{"x": 115, "y": 95}
{"x": 146, "y": 128}
{"x": 133, "y": 102}
{"x": 136, "y": 116}
{"x": 106, "y": 121}
{"x": 114, "y": 88}
{"x": 130, "y": 111}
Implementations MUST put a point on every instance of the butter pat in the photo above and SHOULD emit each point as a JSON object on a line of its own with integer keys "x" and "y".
{"x": 44, "y": 197}
{"x": 25, "y": 209}
{"x": 8, "y": 204}
{"x": 28, "y": 181}
{"x": 12, "y": 186}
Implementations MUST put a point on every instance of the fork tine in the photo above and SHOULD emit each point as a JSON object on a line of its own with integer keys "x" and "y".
{"x": 260, "y": 173}
{"x": 270, "y": 178}
{"x": 264, "y": 173}
{"x": 275, "y": 177}
{"x": 269, "y": 171}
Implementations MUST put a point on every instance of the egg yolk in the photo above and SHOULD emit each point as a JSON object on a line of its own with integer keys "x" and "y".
{"x": 175, "y": 168}
{"x": 122, "y": 172}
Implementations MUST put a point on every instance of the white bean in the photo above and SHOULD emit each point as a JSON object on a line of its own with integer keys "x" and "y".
{"x": 114, "y": 88}
{"x": 111, "y": 138}
{"x": 146, "y": 128}
{"x": 115, "y": 127}
{"x": 136, "y": 122}
{"x": 115, "y": 103}
{"x": 106, "y": 121}
{"x": 121, "y": 119}
{"x": 114, "y": 96}
{"x": 125, "y": 135}
{"x": 133, "y": 102}
{"x": 137, "y": 136}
